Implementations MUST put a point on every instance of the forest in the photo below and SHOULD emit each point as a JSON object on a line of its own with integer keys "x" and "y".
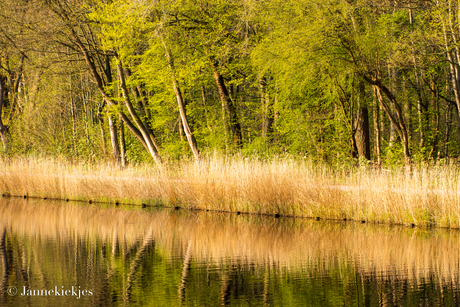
{"x": 374, "y": 81}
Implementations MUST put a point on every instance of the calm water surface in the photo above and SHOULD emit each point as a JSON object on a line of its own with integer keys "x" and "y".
{"x": 61, "y": 254}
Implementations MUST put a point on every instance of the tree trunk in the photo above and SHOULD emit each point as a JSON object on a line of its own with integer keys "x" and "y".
{"x": 74, "y": 130}
{"x": 435, "y": 102}
{"x": 114, "y": 139}
{"x": 447, "y": 135}
{"x": 347, "y": 108}
{"x": 362, "y": 125}
{"x": 3, "y": 127}
{"x": 203, "y": 100}
{"x": 182, "y": 111}
{"x": 421, "y": 108}
{"x": 377, "y": 130}
{"x": 101, "y": 127}
{"x": 122, "y": 144}
{"x": 15, "y": 85}
{"x": 267, "y": 110}
{"x": 75, "y": 39}
{"x": 394, "y": 135}
{"x": 453, "y": 59}
{"x": 138, "y": 131}
{"x": 112, "y": 123}
{"x": 144, "y": 133}
{"x": 139, "y": 96}
{"x": 397, "y": 121}
{"x": 227, "y": 103}
{"x": 362, "y": 134}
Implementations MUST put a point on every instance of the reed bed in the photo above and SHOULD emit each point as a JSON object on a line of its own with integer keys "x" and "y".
{"x": 429, "y": 196}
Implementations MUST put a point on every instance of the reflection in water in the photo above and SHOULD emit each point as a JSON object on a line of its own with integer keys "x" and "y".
{"x": 124, "y": 257}
{"x": 4, "y": 263}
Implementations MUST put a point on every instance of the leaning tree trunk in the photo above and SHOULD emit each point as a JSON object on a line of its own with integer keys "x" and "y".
{"x": 138, "y": 131}
{"x": 180, "y": 101}
{"x": 78, "y": 42}
{"x": 398, "y": 121}
{"x": 139, "y": 96}
{"x": 112, "y": 122}
{"x": 227, "y": 103}
{"x": 135, "y": 116}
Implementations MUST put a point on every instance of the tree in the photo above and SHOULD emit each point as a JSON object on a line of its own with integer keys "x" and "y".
{"x": 76, "y": 31}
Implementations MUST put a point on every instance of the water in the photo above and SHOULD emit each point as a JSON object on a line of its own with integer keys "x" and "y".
{"x": 66, "y": 254}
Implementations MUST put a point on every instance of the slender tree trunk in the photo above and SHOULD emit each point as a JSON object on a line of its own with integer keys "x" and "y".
{"x": 74, "y": 130}
{"x": 421, "y": 109}
{"x": 182, "y": 111}
{"x": 228, "y": 105}
{"x": 267, "y": 110}
{"x": 114, "y": 139}
{"x": 144, "y": 134}
{"x": 452, "y": 56}
{"x": 112, "y": 122}
{"x": 138, "y": 131}
{"x": 447, "y": 135}
{"x": 14, "y": 98}
{"x": 435, "y": 102}
{"x": 362, "y": 134}
{"x": 377, "y": 130}
{"x": 362, "y": 126}
{"x": 393, "y": 129}
{"x": 182, "y": 137}
{"x": 203, "y": 100}
{"x": 139, "y": 96}
{"x": 101, "y": 127}
{"x": 3, "y": 127}
{"x": 347, "y": 108}
{"x": 407, "y": 110}
{"x": 122, "y": 144}
{"x": 398, "y": 121}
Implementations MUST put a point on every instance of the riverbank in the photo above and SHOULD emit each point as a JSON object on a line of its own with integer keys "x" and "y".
{"x": 281, "y": 187}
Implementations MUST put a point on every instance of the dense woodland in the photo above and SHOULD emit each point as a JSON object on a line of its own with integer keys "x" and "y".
{"x": 156, "y": 80}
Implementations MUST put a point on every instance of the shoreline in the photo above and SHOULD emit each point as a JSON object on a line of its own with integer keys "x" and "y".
{"x": 116, "y": 204}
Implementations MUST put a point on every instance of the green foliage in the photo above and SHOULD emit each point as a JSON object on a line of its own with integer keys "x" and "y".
{"x": 295, "y": 71}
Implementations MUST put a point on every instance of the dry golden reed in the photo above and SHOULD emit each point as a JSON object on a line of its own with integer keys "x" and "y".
{"x": 429, "y": 196}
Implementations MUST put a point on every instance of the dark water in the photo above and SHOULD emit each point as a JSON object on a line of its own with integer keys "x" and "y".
{"x": 61, "y": 254}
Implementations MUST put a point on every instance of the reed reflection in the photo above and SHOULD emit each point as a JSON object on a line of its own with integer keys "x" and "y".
{"x": 173, "y": 257}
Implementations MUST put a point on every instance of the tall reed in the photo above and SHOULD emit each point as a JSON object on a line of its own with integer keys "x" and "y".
{"x": 429, "y": 196}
